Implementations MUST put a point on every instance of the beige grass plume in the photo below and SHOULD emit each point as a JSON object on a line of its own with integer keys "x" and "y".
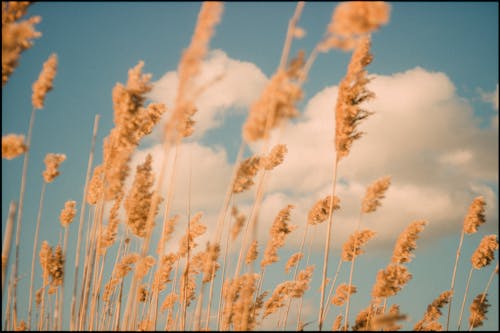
{"x": 132, "y": 122}
{"x": 108, "y": 234}
{"x": 275, "y": 157}
{"x": 374, "y": 194}
{"x": 17, "y": 35}
{"x": 210, "y": 264}
{"x": 431, "y": 316}
{"x": 319, "y": 212}
{"x": 162, "y": 275}
{"x": 96, "y": 185}
{"x": 239, "y": 222}
{"x": 56, "y": 267}
{"x": 279, "y": 230}
{"x": 68, "y": 213}
{"x": 352, "y": 247}
{"x": 181, "y": 122}
{"x": 144, "y": 265}
{"x": 52, "y": 162}
{"x": 485, "y": 252}
{"x": 247, "y": 170}
{"x": 406, "y": 242}
{"x": 342, "y": 292}
{"x": 276, "y": 103}
{"x": 139, "y": 199}
{"x": 353, "y": 19}
{"x": 352, "y": 93}
{"x": 167, "y": 234}
{"x": 292, "y": 262}
{"x": 390, "y": 281}
{"x": 196, "y": 229}
{"x": 478, "y": 310}
{"x": 44, "y": 84}
{"x": 252, "y": 253}
{"x": 475, "y": 216}
{"x": 13, "y": 145}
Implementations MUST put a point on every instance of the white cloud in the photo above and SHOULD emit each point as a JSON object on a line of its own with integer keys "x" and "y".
{"x": 239, "y": 86}
{"x": 490, "y": 97}
{"x": 422, "y": 134}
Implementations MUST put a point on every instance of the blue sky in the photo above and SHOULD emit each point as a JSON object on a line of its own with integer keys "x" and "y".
{"x": 443, "y": 55}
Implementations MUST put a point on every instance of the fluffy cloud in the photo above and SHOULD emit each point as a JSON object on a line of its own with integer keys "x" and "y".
{"x": 490, "y": 97}
{"x": 227, "y": 84}
{"x": 422, "y": 134}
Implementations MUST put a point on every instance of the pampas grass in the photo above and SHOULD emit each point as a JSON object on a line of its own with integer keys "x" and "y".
{"x": 136, "y": 278}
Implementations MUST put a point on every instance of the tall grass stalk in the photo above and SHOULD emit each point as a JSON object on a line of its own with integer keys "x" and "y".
{"x": 80, "y": 223}
{"x": 9, "y": 229}
{"x": 35, "y": 247}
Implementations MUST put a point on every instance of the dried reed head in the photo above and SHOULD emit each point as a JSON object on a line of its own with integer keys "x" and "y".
{"x": 407, "y": 242}
{"x": 275, "y": 157}
{"x": 139, "y": 200}
{"x": 352, "y": 247}
{"x": 485, "y": 252}
{"x": 210, "y": 264}
{"x": 169, "y": 301}
{"x": 142, "y": 293}
{"x": 123, "y": 267}
{"x": 56, "y": 267}
{"x": 108, "y": 234}
{"x": 52, "y": 162}
{"x": 321, "y": 209}
{"x": 252, "y": 253}
{"x": 181, "y": 123}
{"x": 247, "y": 170}
{"x": 337, "y": 323}
{"x": 45, "y": 256}
{"x": 292, "y": 262}
{"x": 390, "y": 281}
{"x": 352, "y": 20}
{"x": 162, "y": 275}
{"x": 275, "y": 104}
{"x": 243, "y": 316}
{"x": 21, "y": 326}
{"x": 342, "y": 293}
{"x": 68, "y": 213}
{"x": 196, "y": 229}
{"x": 301, "y": 283}
{"x": 96, "y": 185}
{"x": 433, "y": 313}
{"x": 13, "y": 145}
{"x": 239, "y": 222}
{"x": 44, "y": 84}
{"x": 352, "y": 93}
{"x": 17, "y": 35}
{"x": 478, "y": 310}
{"x": 279, "y": 230}
{"x": 475, "y": 216}
{"x": 277, "y": 298}
{"x": 143, "y": 266}
{"x": 167, "y": 234}
{"x": 374, "y": 194}
{"x": 132, "y": 122}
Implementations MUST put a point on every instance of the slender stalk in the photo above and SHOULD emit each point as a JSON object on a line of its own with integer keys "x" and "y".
{"x": 464, "y": 299}
{"x": 327, "y": 245}
{"x": 61, "y": 302}
{"x": 21, "y": 204}
{"x": 332, "y": 288}
{"x": 9, "y": 228}
{"x": 80, "y": 224}
{"x": 299, "y": 313}
{"x": 295, "y": 275}
{"x": 35, "y": 246}
{"x": 346, "y": 320}
{"x": 453, "y": 278}
{"x": 289, "y": 34}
